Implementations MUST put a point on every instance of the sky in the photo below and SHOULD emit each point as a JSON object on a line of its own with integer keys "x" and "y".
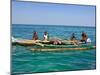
{"x": 52, "y": 14}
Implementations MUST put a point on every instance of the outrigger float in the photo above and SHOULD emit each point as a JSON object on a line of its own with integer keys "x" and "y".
{"x": 38, "y": 45}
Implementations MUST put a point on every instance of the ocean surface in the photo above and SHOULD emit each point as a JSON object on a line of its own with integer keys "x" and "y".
{"x": 27, "y": 61}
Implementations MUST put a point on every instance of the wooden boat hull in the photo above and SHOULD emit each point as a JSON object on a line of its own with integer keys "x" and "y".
{"x": 45, "y": 46}
{"x": 25, "y": 42}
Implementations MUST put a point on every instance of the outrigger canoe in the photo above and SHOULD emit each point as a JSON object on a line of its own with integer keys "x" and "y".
{"x": 63, "y": 47}
{"x": 39, "y": 45}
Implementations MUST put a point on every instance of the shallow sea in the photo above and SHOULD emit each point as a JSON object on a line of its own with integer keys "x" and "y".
{"x": 27, "y": 61}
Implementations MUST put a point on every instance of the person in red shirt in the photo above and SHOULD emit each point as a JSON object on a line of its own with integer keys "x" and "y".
{"x": 35, "y": 36}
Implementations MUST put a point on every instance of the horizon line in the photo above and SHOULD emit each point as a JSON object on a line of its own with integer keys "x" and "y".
{"x": 57, "y": 25}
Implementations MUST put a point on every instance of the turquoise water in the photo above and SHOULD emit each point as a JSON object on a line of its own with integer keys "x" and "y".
{"x": 27, "y": 61}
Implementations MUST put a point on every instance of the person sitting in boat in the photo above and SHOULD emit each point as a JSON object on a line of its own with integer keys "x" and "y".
{"x": 35, "y": 36}
{"x": 84, "y": 37}
{"x": 88, "y": 41}
{"x": 73, "y": 39}
{"x": 56, "y": 41}
{"x": 45, "y": 36}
